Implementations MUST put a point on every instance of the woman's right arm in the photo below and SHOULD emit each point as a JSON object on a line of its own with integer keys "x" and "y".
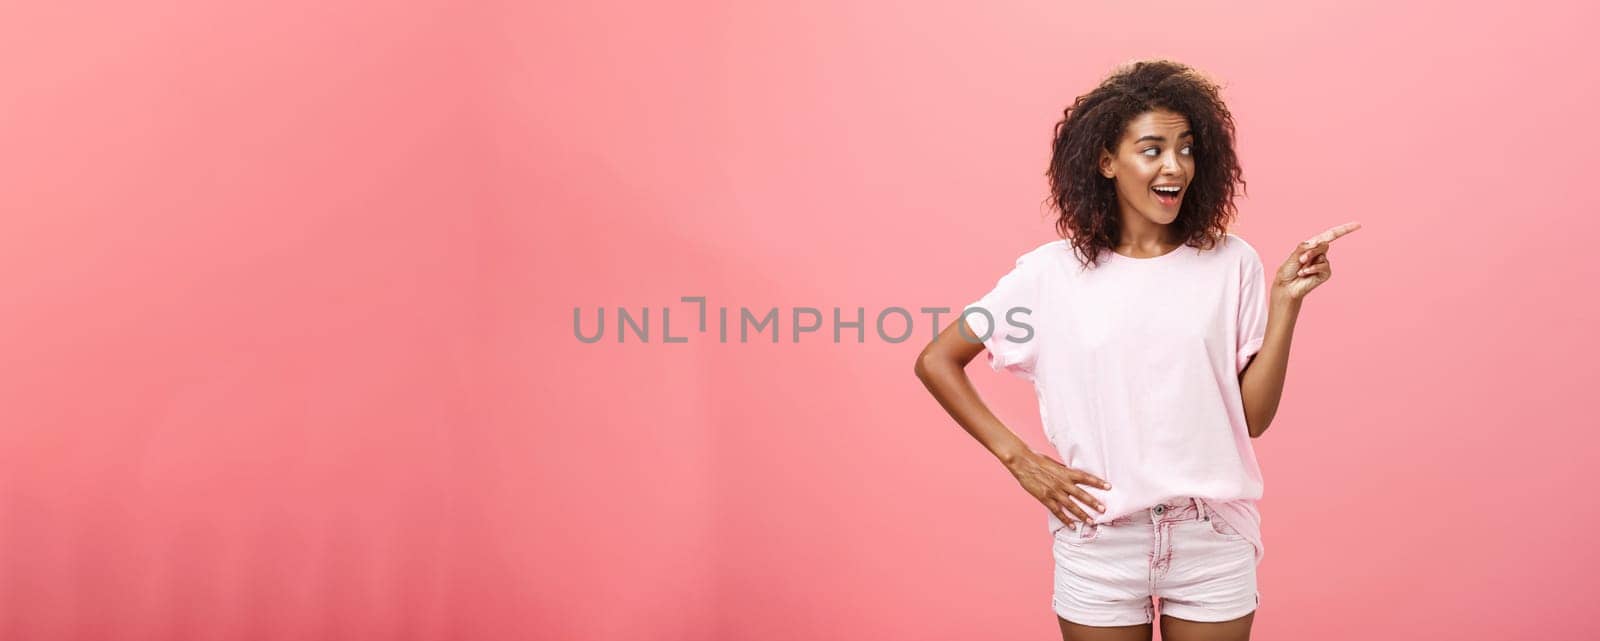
{"x": 942, "y": 369}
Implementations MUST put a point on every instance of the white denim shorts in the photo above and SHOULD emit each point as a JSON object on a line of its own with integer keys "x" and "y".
{"x": 1179, "y": 551}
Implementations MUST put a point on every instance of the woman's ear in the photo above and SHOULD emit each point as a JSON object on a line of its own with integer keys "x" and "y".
{"x": 1105, "y": 164}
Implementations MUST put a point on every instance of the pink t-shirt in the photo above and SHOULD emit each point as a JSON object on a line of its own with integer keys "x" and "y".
{"x": 1136, "y": 366}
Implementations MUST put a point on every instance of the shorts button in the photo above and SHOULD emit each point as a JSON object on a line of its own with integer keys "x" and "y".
{"x": 1161, "y": 509}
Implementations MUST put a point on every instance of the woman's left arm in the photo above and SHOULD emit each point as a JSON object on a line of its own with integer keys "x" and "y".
{"x": 1261, "y": 382}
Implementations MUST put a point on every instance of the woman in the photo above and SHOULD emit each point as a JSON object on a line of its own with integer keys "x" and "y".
{"x": 1157, "y": 348}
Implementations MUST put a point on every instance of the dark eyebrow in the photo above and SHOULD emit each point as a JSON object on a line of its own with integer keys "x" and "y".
{"x": 1159, "y": 138}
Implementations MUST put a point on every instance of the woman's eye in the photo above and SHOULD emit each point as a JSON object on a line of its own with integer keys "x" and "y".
{"x": 1155, "y": 151}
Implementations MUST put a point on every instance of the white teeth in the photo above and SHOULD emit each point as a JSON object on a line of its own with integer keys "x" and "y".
{"x": 1168, "y": 190}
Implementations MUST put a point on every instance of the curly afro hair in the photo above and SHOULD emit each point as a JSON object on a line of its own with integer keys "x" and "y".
{"x": 1087, "y": 201}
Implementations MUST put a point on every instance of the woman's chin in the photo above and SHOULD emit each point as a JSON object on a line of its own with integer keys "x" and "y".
{"x": 1162, "y": 217}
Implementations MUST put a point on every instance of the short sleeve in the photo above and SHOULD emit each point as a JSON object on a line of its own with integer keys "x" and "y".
{"x": 1252, "y": 309}
{"x": 1004, "y": 318}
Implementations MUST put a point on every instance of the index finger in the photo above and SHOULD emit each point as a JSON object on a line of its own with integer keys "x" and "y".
{"x": 1085, "y": 476}
{"x": 1332, "y": 233}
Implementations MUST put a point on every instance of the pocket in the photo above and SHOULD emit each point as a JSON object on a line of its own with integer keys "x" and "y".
{"x": 1216, "y": 525}
{"x": 1070, "y": 535}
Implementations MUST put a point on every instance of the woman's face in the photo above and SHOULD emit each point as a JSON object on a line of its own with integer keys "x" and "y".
{"x": 1156, "y": 150}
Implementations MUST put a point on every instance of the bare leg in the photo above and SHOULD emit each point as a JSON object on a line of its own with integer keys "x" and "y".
{"x": 1175, "y": 629}
{"x": 1073, "y": 632}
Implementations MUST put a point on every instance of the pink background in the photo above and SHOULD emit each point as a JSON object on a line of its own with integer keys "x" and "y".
{"x": 288, "y": 293}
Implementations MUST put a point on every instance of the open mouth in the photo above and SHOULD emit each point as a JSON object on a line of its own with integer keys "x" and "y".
{"x": 1168, "y": 196}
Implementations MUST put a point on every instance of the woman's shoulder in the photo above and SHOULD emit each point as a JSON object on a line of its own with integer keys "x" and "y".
{"x": 1235, "y": 247}
{"x": 1053, "y": 257}
{"x": 1052, "y": 248}
{"x": 1235, "y": 243}
{"x": 1042, "y": 256}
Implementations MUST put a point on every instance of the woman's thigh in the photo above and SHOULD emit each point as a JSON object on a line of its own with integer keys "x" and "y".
{"x": 1073, "y": 632}
{"x": 1175, "y": 629}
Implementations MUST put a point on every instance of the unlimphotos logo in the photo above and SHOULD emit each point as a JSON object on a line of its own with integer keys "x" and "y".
{"x": 892, "y": 324}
